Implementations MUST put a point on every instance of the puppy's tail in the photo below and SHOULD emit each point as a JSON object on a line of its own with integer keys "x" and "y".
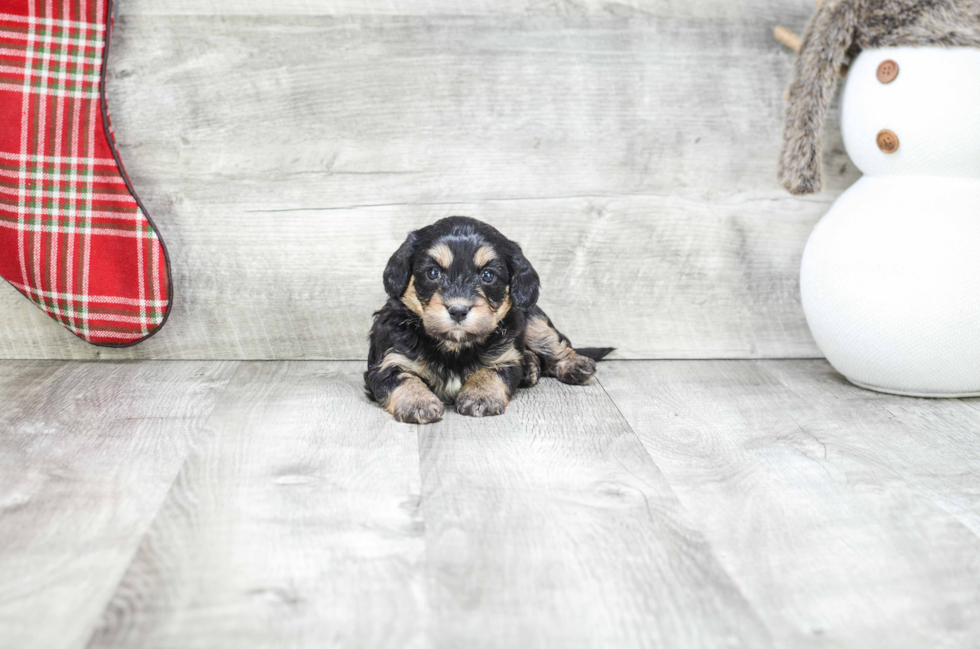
{"x": 595, "y": 353}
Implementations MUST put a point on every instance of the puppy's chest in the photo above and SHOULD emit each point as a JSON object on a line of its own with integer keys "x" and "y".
{"x": 445, "y": 385}
{"x": 447, "y": 379}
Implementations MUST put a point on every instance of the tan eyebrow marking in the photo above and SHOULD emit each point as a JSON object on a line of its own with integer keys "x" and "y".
{"x": 484, "y": 255}
{"x": 441, "y": 254}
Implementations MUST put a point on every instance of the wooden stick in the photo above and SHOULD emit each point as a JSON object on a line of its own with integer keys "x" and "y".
{"x": 788, "y": 38}
{"x": 792, "y": 40}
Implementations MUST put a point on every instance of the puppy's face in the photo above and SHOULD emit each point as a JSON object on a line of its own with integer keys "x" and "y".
{"x": 462, "y": 278}
{"x": 460, "y": 288}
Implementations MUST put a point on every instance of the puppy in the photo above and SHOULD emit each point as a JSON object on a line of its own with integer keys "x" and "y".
{"x": 461, "y": 325}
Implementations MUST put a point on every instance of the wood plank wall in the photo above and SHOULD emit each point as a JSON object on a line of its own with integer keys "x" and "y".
{"x": 286, "y": 148}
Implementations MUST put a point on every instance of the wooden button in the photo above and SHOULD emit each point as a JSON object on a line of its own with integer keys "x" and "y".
{"x": 887, "y": 141}
{"x": 887, "y": 71}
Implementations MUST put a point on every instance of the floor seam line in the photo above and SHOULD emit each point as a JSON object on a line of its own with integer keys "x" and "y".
{"x": 704, "y": 537}
{"x": 163, "y": 501}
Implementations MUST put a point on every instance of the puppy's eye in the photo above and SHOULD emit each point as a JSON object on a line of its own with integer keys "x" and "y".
{"x": 433, "y": 273}
{"x": 488, "y": 276}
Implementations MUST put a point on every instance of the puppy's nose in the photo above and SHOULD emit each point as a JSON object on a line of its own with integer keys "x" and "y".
{"x": 458, "y": 312}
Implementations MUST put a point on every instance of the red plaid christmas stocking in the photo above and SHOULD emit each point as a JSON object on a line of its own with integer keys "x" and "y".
{"x": 74, "y": 238}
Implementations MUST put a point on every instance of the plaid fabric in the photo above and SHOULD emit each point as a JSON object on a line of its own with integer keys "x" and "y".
{"x": 73, "y": 237}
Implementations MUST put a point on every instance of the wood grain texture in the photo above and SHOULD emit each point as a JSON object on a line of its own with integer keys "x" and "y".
{"x": 717, "y": 9}
{"x": 687, "y": 504}
{"x": 549, "y": 526}
{"x": 285, "y": 157}
{"x": 87, "y": 455}
{"x": 295, "y": 524}
{"x": 848, "y": 518}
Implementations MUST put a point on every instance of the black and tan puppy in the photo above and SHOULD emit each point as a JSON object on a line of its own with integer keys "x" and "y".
{"x": 461, "y": 324}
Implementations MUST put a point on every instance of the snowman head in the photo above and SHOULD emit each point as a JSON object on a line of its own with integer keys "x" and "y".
{"x": 836, "y": 33}
{"x": 912, "y": 111}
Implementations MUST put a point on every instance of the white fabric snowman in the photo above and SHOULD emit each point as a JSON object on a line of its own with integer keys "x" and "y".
{"x": 890, "y": 280}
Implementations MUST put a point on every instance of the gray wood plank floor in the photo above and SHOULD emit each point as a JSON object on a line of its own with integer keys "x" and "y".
{"x": 88, "y": 453}
{"x": 668, "y": 504}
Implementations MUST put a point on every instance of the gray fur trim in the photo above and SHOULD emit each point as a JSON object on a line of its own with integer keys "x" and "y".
{"x": 840, "y": 27}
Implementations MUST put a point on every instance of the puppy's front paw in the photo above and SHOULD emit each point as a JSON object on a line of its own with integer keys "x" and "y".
{"x": 474, "y": 403}
{"x": 421, "y": 412}
{"x": 574, "y": 369}
{"x": 413, "y": 403}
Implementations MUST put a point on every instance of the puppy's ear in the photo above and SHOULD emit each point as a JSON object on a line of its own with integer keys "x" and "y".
{"x": 399, "y": 269}
{"x": 524, "y": 282}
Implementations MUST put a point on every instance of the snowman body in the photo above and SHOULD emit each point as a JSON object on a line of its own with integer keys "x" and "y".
{"x": 890, "y": 280}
